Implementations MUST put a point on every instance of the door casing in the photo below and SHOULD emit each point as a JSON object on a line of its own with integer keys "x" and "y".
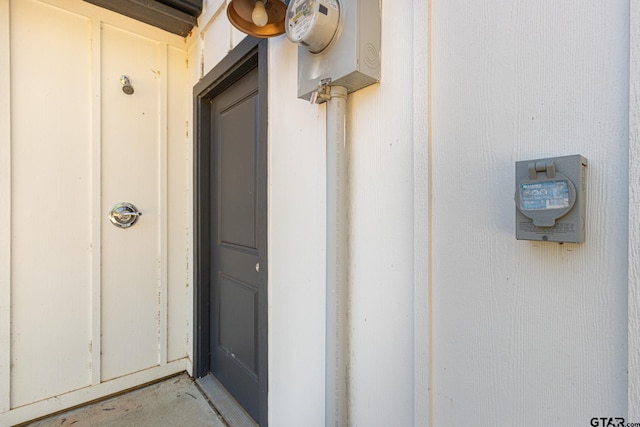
{"x": 249, "y": 54}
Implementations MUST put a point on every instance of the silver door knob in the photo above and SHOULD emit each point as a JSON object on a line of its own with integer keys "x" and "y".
{"x": 124, "y": 214}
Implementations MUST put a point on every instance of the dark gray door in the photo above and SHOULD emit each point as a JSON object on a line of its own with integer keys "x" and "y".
{"x": 238, "y": 280}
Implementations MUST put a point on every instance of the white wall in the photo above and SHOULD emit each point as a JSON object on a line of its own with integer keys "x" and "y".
{"x": 522, "y": 333}
{"x": 296, "y": 248}
{"x": 528, "y": 333}
{"x": 634, "y": 214}
{"x": 86, "y": 309}
{"x": 5, "y": 208}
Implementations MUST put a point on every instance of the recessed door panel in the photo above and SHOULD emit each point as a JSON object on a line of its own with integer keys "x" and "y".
{"x": 237, "y": 322}
{"x": 237, "y": 132}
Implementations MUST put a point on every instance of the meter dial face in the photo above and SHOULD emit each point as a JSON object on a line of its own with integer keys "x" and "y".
{"x": 312, "y": 23}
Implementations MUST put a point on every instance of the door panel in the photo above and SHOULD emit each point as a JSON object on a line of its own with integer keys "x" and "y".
{"x": 130, "y": 173}
{"x": 238, "y": 174}
{"x": 237, "y": 322}
{"x": 238, "y": 241}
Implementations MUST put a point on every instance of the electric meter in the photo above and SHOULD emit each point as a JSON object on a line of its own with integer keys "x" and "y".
{"x": 313, "y": 23}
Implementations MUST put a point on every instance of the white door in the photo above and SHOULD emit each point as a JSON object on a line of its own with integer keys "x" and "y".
{"x": 89, "y": 302}
{"x": 131, "y": 161}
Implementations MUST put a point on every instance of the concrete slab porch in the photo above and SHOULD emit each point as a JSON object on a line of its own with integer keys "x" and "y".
{"x": 176, "y": 401}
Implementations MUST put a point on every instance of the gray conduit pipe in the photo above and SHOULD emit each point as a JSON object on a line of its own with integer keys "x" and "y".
{"x": 337, "y": 268}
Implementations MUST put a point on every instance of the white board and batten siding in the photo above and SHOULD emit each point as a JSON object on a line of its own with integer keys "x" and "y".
{"x": 453, "y": 321}
{"x": 514, "y": 332}
{"x": 84, "y": 306}
{"x": 528, "y": 333}
{"x": 634, "y": 213}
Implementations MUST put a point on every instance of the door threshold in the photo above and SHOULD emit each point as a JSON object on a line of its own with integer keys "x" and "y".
{"x": 230, "y": 410}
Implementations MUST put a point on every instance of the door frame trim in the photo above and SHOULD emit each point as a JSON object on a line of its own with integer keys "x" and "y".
{"x": 249, "y": 54}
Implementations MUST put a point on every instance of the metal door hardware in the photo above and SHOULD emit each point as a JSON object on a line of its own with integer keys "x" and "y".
{"x": 124, "y": 215}
{"x": 126, "y": 85}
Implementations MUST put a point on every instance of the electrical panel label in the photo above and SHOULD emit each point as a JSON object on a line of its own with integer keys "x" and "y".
{"x": 544, "y": 195}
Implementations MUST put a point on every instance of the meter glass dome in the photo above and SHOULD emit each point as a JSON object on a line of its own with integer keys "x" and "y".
{"x": 312, "y": 23}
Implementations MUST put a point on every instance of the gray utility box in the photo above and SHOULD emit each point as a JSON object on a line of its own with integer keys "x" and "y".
{"x": 353, "y": 58}
{"x": 550, "y": 199}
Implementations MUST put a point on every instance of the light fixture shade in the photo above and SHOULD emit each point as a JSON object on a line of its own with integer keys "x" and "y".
{"x": 239, "y": 13}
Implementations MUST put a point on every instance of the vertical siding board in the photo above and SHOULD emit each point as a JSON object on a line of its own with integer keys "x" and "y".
{"x": 193, "y": 73}
{"x": 163, "y": 122}
{"x": 380, "y": 134}
{"x": 5, "y": 208}
{"x": 296, "y": 208}
{"x": 96, "y": 199}
{"x": 634, "y": 215}
{"x": 421, "y": 231}
{"x": 178, "y": 199}
{"x": 50, "y": 178}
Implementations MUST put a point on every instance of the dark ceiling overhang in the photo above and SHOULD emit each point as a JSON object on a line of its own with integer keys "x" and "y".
{"x": 176, "y": 16}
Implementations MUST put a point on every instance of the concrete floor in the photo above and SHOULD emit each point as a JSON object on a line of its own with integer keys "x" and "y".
{"x": 175, "y": 402}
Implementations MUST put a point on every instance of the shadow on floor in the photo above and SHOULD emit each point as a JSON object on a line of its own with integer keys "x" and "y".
{"x": 175, "y": 402}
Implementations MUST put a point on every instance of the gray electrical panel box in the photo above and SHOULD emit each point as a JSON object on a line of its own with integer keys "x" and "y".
{"x": 352, "y": 59}
{"x": 550, "y": 199}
